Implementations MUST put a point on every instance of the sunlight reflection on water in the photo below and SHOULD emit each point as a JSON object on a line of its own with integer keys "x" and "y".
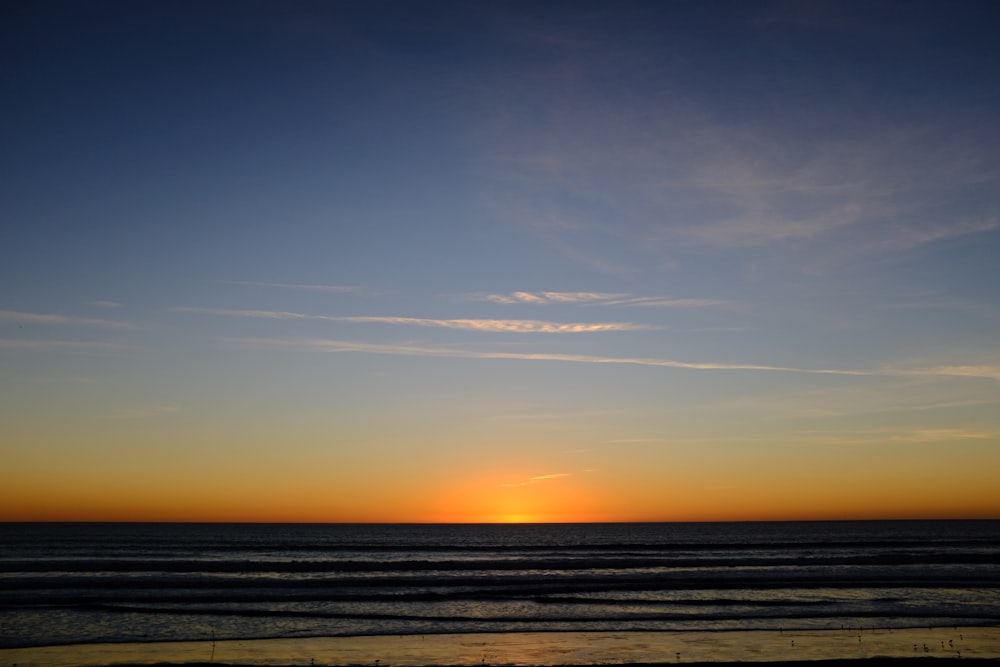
{"x": 529, "y": 649}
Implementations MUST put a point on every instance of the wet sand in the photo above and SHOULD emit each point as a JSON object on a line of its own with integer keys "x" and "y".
{"x": 864, "y": 662}
{"x": 903, "y": 646}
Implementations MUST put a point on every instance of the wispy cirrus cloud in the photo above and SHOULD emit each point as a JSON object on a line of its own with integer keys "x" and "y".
{"x": 597, "y": 298}
{"x": 486, "y": 325}
{"x": 538, "y": 479}
{"x": 632, "y": 441}
{"x": 967, "y": 362}
{"x": 404, "y": 349}
{"x": 678, "y": 179}
{"x": 550, "y": 297}
{"x": 141, "y": 412}
{"x": 989, "y": 371}
{"x": 44, "y": 345}
{"x": 574, "y": 415}
{"x": 893, "y": 436}
{"x": 665, "y": 302}
{"x": 66, "y": 379}
{"x": 340, "y": 289}
{"x": 253, "y": 313}
{"x": 505, "y": 326}
{"x": 331, "y": 345}
{"x": 942, "y": 435}
{"x": 19, "y": 317}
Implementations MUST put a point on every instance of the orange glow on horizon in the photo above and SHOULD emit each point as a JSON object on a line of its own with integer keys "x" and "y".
{"x": 520, "y": 498}
{"x": 512, "y": 496}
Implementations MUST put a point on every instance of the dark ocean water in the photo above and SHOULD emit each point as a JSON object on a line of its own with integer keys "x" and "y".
{"x": 77, "y": 583}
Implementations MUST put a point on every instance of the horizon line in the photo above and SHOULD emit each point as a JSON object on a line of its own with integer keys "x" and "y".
{"x": 492, "y": 523}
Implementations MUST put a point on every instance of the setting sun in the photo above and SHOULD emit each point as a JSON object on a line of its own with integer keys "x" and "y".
{"x": 520, "y": 498}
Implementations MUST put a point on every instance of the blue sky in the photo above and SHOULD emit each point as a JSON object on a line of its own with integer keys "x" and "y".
{"x": 613, "y": 248}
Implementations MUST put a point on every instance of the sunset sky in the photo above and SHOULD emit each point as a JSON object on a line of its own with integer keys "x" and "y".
{"x": 499, "y": 261}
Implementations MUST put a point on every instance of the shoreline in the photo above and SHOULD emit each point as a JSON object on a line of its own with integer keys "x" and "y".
{"x": 830, "y": 647}
{"x": 836, "y": 662}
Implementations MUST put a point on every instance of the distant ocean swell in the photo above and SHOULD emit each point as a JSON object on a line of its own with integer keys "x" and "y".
{"x": 135, "y": 582}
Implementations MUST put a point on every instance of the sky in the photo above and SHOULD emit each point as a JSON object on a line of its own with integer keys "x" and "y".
{"x": 499, "y": 261}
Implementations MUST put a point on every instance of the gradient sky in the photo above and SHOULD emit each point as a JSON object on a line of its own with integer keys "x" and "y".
{"x": 499, "y": 261}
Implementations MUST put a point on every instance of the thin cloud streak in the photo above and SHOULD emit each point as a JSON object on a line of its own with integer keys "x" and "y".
{"x": 330, "y": 345}
{"x": 988, "y": 371}
{"x": 942, "y": 435}
{"x": 541, "y": 298}
{"x": 19, "y": 317}
{"x": 261, "y": 314}
{"x": 487, "y": 325}
{"x": 666, "y": 302}
{"x": 141, "y": 412}
{"x": 340, "y": 289}
{"x": 891, "y": 437}
{"x": 505, "y": 326}
{"x": 333, "y": 345}
{"x": 576, "y": 415}
{"x": 538, "y": 479}
{"x": 25, "y": 344}
{"x": 865, "y": 189}
{"x": 551, "y": 297}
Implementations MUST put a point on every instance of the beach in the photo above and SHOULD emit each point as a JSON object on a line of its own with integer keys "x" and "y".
{"x": 942, "y": 644}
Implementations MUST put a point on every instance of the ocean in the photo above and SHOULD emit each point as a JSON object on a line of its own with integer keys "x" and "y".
{"x": 78, "y": 583}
